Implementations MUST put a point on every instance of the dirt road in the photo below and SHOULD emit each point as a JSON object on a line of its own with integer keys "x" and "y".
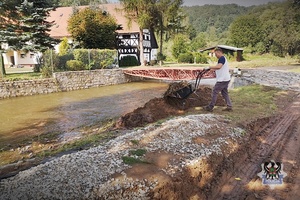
{"x": 276, "y": 138}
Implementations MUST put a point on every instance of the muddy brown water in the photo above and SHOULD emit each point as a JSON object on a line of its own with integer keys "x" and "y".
{"x": 67, "y": 111}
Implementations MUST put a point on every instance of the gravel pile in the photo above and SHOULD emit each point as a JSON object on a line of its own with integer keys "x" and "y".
{"x": 88, "y": 174}
{"x": 280, "y": 79}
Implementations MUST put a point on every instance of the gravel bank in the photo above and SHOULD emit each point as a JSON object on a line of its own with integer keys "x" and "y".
{"x": 275, "y": 78}
{"x": 88, "y": 174}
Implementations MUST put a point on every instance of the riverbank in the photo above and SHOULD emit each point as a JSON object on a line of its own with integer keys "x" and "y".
{"x": 158, "y": 169}
{"x": 177, "y": 158}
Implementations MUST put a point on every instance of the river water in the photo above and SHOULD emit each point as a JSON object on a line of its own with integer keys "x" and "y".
{"x": 65, "y": 112}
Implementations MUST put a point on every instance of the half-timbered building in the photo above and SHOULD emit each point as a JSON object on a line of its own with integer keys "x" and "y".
{"x": 128, "y": 36}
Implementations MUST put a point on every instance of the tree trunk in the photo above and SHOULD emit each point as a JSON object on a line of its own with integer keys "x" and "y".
{"x": 142, "y": 59}
{"x": 2, "y": 67}
{"x": 161, "y": 46}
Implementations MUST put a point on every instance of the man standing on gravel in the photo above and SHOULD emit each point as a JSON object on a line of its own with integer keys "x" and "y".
{"x": 223, "y": 79}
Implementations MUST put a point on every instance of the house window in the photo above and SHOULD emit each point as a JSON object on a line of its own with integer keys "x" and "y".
{"x": 126, "y": 36}
{"x": 23, "y": 55}
{"x": 31, "y": 55}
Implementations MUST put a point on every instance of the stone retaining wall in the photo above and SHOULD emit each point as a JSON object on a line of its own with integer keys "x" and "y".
{"x": 64, "y": 81}
{"x": 27, "y": 87}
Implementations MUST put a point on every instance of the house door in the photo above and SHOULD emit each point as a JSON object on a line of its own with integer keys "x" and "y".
{"x": 12, "y": 60}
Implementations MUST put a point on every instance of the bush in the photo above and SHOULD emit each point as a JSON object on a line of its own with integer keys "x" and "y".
{"x": 186, "y": 58}
{"x": 75, "y": 65}
{"x": 46, "y": 72}
{"x": 81, "y": 55}
{"x": 128, "y": 61}
{"x": 201, "y": 58}
{"x": 62, "y": 64}
{"x": 153, "y": 62}
{"x": 277, "y": 50}
{"x": 260, "y": 48}
{"x": 95, "y": 58}
{"x": 161, "y": 57}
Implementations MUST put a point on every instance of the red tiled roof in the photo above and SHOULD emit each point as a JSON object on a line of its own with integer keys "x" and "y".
{"x": 61, "y": 15}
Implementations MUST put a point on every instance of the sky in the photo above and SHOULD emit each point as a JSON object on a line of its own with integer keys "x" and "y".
{"x": 221, "y": 2}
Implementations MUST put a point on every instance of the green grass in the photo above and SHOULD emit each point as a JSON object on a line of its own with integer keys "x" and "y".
{"x": 138, "y": 152}
{"x": 22, "y": 76}
{"x": 251, "y": 61}
{"x": 135, "y": 142}
{"x": 252, "y": 102}
{"x": 85, "y": 142}
{"x": 131, "y": 160}
{"x": 266, "y": 60}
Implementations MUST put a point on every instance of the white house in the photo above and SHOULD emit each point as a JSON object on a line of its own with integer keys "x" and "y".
{"x": 13, "y": 58}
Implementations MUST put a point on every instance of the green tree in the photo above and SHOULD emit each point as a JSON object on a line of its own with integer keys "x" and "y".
{"x": 141, "y": 12}
{"x": 204, "y": 17}
{"x": 64, "y": 47}
{"x": 31, "y": 34}
{"x": 246, "y": 30}
{"x": 198, "y": 42}
{"x": 8, "y": 13}
{"x": 23, "y": 25}
{"x": 281, "y": 29}
{"x": 167, "y": 12}
{"x": 93, "y": 29}
{"x": 287, "y": 33}
{"x": 8, "y": 17}
{"x": 180, "y": 45}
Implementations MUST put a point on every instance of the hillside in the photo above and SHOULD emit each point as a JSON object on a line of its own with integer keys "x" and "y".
{"x": 202, "y": 18}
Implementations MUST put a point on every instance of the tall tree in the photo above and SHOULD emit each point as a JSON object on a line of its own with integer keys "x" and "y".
{"x": 33, "y": 28}
{"x": 26, "y": 28}
{"x": 180, "y": 45}
{"x": 281, "y": 29}
{"x": 93, "y": 29}
{"x": 198, "y": 42}
{"x": 64, "y": 47}
{"x": 168, "y": 11}
{"x": 141, "y": 12}
{"x": 287, "y": 33}
{"x": 8, "y": 16}
{"x": 246, "y": 30}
